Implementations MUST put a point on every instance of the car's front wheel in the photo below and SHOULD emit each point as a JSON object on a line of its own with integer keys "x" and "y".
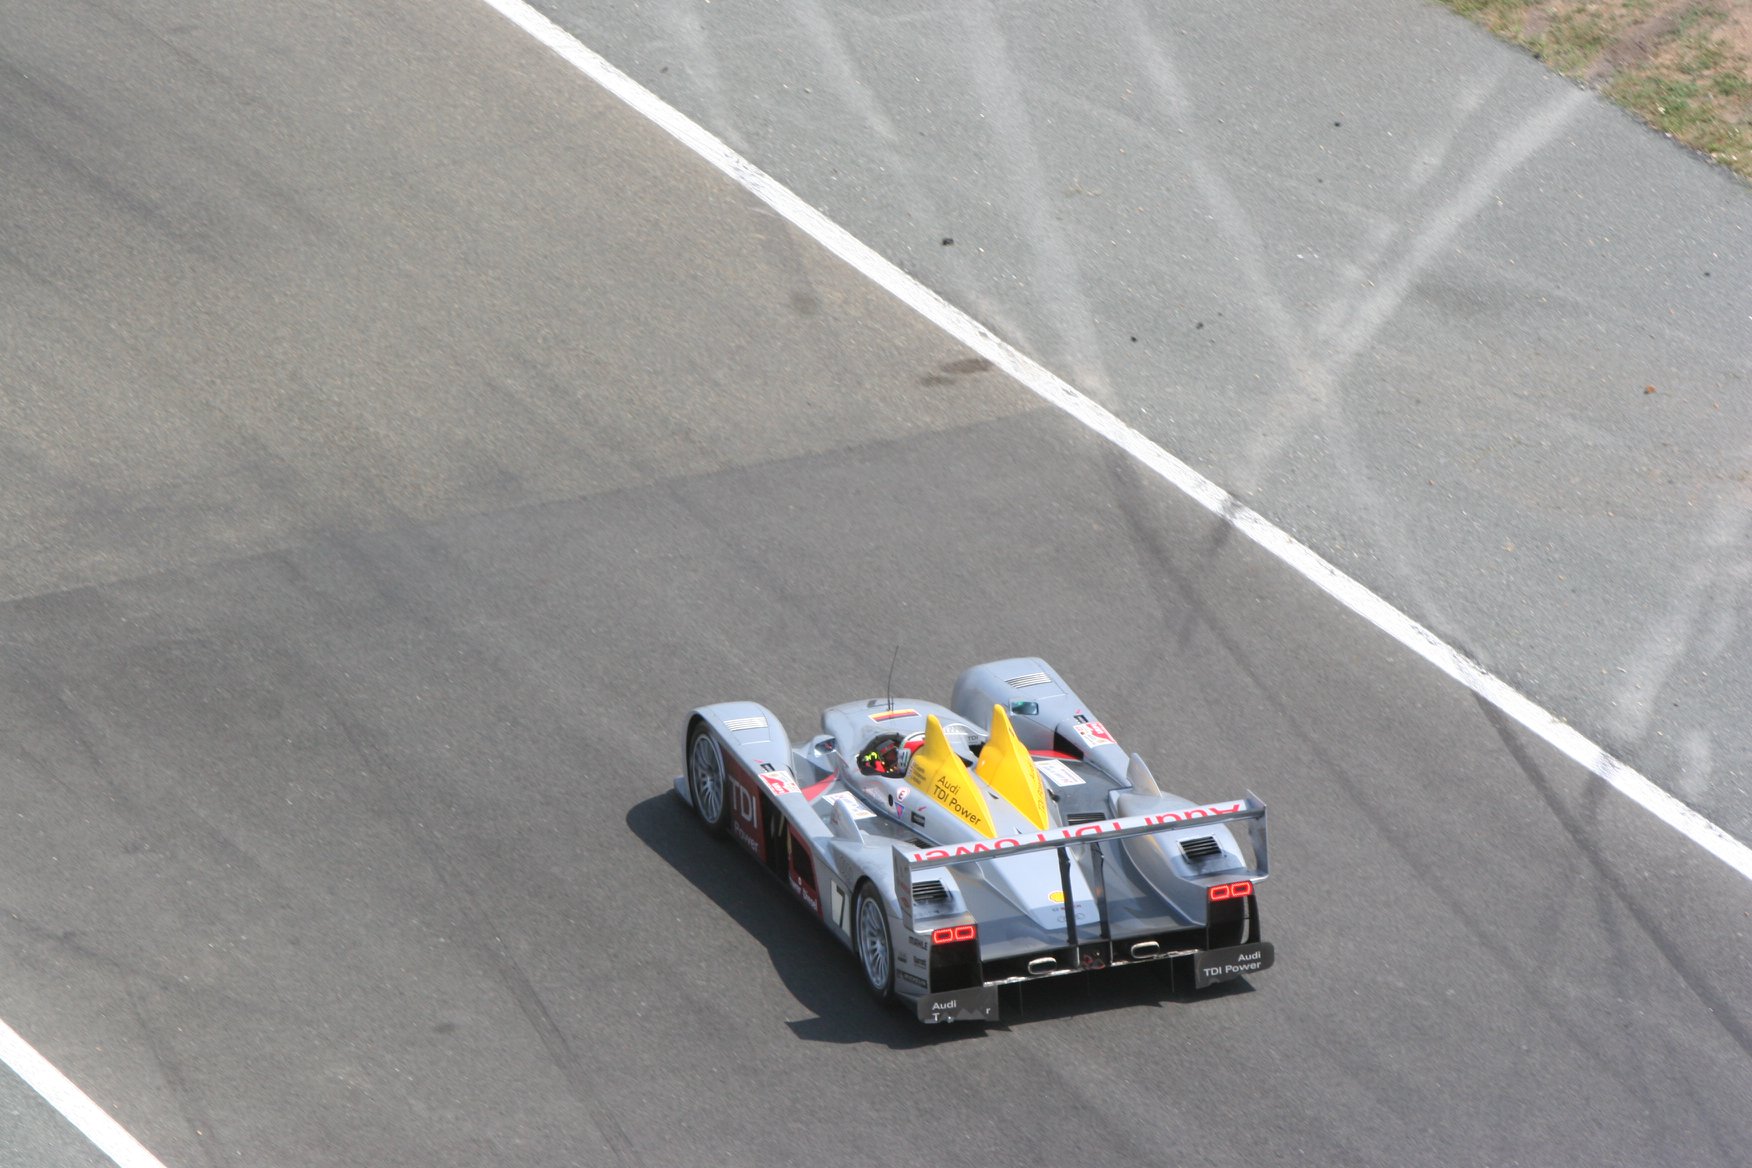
{"x": 708, "y": 781}
{"x": 875, "y": 943}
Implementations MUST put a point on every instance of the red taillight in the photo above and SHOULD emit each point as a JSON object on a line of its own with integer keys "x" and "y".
{"x": 952, "y": 933}
{"x": 1230, "y": 891}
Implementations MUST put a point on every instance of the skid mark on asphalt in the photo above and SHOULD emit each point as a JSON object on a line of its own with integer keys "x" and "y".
{"x": 1698, "y": 627}
{"x": 840, "y": 63}
{"x": 1174, "y": 588}
{"x": 455, "y": 890}
{"x": 687, "y": 27}
{"x": 1442, "y": 225}
{"x": 1310, "y": 385}
{"x": 73, "y": 717}
{"x": 1316, "y": 359}
{"x": 1608, "y": 883}
{"x": 1429, "y": 163}
{"x": 195, "y": 1115}
{"x": 1054, "y": 390}
{"x": 1056, "y": 265}
{"x": 1711, "y": 583}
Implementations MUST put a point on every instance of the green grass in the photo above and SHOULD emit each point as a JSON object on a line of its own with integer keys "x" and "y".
{"x": 1687, "y": 81}
{"x": 1573, "y": 40}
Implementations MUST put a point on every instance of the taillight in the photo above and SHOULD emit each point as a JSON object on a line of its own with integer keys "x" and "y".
{"x": 952, "y": 933}
{"x": 1233, "y": 891}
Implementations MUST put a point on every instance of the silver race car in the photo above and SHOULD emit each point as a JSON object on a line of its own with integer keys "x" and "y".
{"x": 1003, "y": 839}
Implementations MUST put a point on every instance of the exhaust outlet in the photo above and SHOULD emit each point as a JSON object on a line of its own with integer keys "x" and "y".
{"x": 1042, "y": 965}
{"x": 1145, "y": 949}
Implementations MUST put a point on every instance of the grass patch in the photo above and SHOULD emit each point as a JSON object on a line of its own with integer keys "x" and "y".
{"x": 1683, "y": 66}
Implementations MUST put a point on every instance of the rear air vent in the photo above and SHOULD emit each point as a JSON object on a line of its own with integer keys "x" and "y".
{"x": 1028, "y": 679}
{"x": 929, "y": 891}
{"x": 1202, "y": 848}
{"x": 1077, "y": 818}
{"x": 755, "y": 723}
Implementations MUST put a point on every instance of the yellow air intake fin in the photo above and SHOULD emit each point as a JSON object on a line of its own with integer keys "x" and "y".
{"x": 1005, "y": 766}
{"x": 939, "y": 772}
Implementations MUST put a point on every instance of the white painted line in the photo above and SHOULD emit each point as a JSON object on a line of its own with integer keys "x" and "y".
{"x": 1055, "y": 390}
{"x": 92, "y": 1121}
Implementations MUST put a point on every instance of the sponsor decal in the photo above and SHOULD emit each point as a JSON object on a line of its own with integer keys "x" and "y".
{"x": 909, "y": 975}
{"x": 1094, "y": 734}
{"x": 917, "y": 942}
{"x": 851, "y": 803}
{"x": 971, "y": 1004}
{"x": 1057, "y": 773}
{"x": 918, "y": 961}
{"x": 947, "y": 796}
{"x": 1223, "y": 964}
{"x": 901, "y": 795}
{"x": 1056, "y": 896}
{"x": 1085, "y": 912}
{"x": 1082, "y": 831}
{"x": 744, "y": 803}
{"x": 780, "y": 782}
{"x": 807, "y": 893}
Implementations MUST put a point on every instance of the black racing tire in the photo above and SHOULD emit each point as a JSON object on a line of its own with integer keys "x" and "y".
{"x": 873, "y": 941}
{"x": 708, "y": 779}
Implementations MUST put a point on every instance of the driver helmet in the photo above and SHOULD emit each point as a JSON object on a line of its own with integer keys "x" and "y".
{"x": 889, "y": 755}
{"x": 885, "y": 757}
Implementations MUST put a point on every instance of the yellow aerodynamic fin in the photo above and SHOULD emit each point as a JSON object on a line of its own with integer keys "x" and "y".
{"x": 939, "y": 772}
{"x": 1006, "y": 768}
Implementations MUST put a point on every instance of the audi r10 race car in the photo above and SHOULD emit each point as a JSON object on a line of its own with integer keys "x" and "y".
{"x": 1003, "y": 839}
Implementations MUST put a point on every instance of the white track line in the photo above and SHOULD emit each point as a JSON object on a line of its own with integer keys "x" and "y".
{"x": 93, "y": 1121}
{"x": 1348, "y": 592}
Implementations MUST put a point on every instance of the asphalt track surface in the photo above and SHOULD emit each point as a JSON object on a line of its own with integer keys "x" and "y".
{"x": 1394, "y": 284}
{"x": 401, "y": 436}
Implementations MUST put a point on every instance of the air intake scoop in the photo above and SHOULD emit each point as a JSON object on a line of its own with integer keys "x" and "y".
{"x": 939, "y": 773}
{"x": 1005, "y": 766}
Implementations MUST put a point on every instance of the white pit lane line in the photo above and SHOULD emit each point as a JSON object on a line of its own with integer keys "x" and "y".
{"x": 60, "y": 1092}
{"x": 1047, "y": 385}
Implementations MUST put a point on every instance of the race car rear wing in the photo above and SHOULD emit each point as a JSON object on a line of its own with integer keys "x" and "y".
{"x": 1247, "y": 814}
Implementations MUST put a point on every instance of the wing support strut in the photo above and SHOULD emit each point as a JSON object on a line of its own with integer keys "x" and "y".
{"x": 1100, "y": 889}
{"x": 1064, "y": 855}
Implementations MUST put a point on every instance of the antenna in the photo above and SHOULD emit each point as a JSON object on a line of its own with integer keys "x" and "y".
{"x": 891, "y": 665}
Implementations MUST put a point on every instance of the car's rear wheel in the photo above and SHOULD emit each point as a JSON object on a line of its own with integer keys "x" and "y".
{"x": 707, "y": 779}
{"x": 875, "y": 943}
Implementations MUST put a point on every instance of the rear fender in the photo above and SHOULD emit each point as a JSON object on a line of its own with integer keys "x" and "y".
{"x": 1046, "y": 712}
{"x": 1182, "y": 875}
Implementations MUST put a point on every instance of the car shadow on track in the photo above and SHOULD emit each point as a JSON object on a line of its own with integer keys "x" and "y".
{"x": 824, "y": 977}
{"x": 818, "y": 972}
